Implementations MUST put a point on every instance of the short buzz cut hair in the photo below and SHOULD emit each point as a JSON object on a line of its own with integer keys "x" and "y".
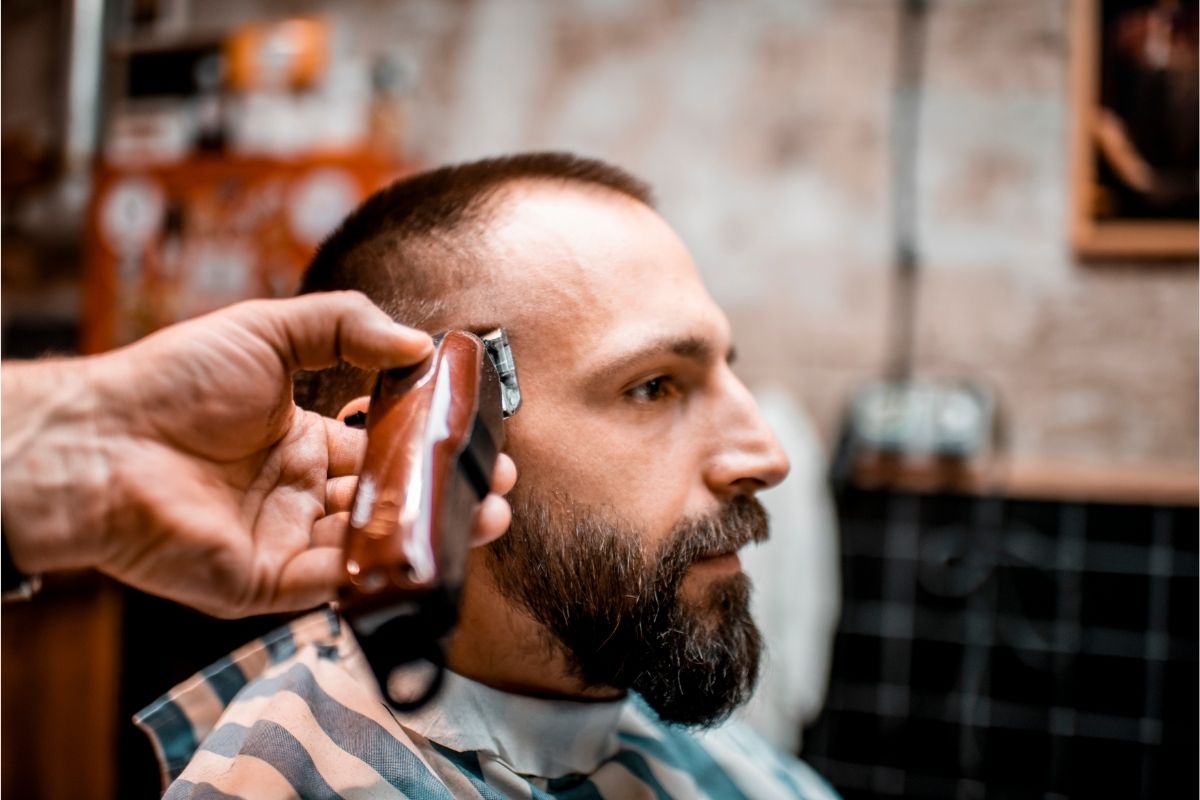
{"x": 411, "y": 245}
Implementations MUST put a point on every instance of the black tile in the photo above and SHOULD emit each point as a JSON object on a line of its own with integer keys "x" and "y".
{"x": 862, "y": 578}
{"x": 1185, "y": 529}
{"x": 930, "y": 747}
{"x": 1028, "y": 593}
{"x": 1180, "y": 698}
{"x": 859, "y": 505}
{"x": 1019, "y": 715}
{"x": 929, "y": 785}
{"x": 936, "y": 666}
{"x": 1120, "y": 523}
{"x": 1185, "y": 565}
{"x": 857, "y": 794}
{"x": 857, "y": 659}
{"x": 942, "y": 626}
{"x": 1110, "y": 686}
{"x": 1115, "y": 601}
{"x": 1017, "y": 760}
{"x": 1103, "y": 768}
{"x": 1123, "y": 559}
{"x": 860, "y": 738}
{"x": 893, "y": 732}
{"x": 1183, "y": 608}
{"x": 1022, "y": 677}
{"x": 1184, "y": 650}
{"x": 1172, "y": 769}
{"x": 863, "y": 538}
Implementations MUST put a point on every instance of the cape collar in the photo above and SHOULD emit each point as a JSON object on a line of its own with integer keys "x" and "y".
{"x": 533, "y": 736}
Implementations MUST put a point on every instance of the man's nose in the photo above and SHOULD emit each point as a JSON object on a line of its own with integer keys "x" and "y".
{"x": 746, "y": 457}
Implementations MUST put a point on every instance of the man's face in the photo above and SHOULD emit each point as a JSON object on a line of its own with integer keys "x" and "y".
{"x": 638, "y": 449}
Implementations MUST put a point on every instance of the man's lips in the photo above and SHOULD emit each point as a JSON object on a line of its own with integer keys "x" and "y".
{"x": 723, "y": 559}
{"x": 716, "y": 540}
{"x": 725, "y": 551}
{"x": 727, "y": 548}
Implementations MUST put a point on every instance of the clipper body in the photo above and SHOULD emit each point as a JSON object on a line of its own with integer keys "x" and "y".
{"x": 434, "y": 431}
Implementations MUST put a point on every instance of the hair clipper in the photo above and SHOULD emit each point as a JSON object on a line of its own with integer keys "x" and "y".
{"x": 434, "y": 431}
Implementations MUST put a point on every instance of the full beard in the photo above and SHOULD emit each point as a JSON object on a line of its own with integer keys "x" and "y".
{"x": 621, "y": 619}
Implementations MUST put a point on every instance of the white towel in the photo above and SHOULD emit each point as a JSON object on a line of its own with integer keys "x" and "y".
{"x": 797, "y": 581}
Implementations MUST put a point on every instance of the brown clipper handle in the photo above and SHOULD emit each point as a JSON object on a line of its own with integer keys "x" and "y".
{"x": 434, "y": 431}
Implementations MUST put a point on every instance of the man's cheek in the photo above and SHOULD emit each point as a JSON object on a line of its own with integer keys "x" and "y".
{"x": 565, "y": 461}
{"x": 606, "y": 466}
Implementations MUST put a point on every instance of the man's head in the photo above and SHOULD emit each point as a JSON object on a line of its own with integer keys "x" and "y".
{"x": 638, "y": 450}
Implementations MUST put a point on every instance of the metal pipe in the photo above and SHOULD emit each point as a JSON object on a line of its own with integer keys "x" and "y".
{"x": 83, "y": 85}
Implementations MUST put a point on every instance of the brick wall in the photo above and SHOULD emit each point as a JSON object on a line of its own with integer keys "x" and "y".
{"x": 765, "y": 128}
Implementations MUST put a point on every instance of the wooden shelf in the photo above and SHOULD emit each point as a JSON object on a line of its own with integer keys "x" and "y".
{"x": 1029, "y": 480}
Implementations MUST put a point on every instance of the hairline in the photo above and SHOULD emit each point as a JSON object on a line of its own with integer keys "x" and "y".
{"x": 465, "y": 242}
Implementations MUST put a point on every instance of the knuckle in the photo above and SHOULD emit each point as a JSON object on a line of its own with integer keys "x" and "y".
{"x": 353, "y": 299}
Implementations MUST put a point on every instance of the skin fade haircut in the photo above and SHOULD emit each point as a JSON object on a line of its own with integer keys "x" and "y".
{"x": 603, "y": 596}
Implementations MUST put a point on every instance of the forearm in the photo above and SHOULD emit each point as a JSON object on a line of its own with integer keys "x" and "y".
{"x": 56, "y": 463}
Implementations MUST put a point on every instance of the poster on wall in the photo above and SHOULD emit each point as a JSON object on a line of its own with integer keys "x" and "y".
{"x": 1135, "y": 149}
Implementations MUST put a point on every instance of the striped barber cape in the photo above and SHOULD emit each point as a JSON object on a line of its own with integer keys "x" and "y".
{"x": 298, "y": 714}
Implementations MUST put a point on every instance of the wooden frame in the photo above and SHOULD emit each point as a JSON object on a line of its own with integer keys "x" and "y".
{"x": 1091, "y": 237}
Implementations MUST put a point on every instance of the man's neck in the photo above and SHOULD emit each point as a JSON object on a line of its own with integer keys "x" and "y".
{"x": 502, "y": 647}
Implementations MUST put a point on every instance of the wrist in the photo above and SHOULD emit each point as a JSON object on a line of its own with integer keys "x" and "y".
{"x": 56, "y": 464}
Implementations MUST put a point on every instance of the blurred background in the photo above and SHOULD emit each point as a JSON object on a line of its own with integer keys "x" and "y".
{"x": 957, "y": 241}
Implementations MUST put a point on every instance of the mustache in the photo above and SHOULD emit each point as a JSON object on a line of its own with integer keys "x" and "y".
{"x": 739, "y": 522}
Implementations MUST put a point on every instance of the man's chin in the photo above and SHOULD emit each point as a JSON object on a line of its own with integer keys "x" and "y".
{"x": 712, "y": 584}
{"x": 708, "y": 662}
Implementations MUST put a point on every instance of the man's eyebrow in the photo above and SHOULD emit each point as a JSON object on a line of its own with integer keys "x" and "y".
{"x": 693, "y": 348}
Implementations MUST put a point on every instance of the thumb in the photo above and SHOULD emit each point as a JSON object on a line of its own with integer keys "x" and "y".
{"x": 318, "y": 330}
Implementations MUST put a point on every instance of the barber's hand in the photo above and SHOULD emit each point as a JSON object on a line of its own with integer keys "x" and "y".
{"x": 181, "y": 466}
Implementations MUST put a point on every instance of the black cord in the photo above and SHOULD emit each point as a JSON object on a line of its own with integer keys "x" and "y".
{"x": 413, "y": 634}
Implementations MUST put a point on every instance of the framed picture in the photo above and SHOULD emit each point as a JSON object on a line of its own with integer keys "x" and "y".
{"x": 1134, "y": 142}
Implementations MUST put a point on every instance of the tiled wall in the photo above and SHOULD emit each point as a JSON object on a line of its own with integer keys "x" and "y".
{"x": 994, "y": 648}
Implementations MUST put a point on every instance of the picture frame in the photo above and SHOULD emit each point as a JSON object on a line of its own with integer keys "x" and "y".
{"x": 1131, "y": 196}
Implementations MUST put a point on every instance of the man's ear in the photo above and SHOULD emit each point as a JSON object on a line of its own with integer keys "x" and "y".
{"x": 355, "y": 406}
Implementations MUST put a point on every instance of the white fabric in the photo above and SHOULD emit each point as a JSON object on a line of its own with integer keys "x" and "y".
{"x": 797, "y": 581}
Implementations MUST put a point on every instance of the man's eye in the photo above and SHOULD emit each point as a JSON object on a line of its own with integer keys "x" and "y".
{"x": 654, "y": 389}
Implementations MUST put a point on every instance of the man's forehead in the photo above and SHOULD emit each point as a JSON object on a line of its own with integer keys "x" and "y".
{"x": 579, "y": 269}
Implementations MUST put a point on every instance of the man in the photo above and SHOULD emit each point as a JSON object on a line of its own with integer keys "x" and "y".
{"x": 615, "y": 610}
